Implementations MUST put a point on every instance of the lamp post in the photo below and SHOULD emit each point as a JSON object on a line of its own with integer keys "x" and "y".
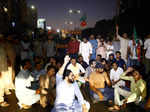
{"x": 33, "y": 16}
{"x": 71, "y": 11}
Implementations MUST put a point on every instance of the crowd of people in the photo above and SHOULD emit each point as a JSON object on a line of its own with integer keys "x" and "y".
{"x": 53, "y": 72}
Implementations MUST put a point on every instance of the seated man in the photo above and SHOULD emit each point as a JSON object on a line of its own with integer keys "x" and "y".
{"x": 26, "y": 96}
{"x": 137, "y": 91}
{"x": 90, "y": 68}
{"x": 38, "y": 71}
{"x": 66, "y": 91}
{"x": 82, "y": 62}
{"x": 97, "y": 83}
{"x": 75, "y": 67}
{"x": 115, "y": 73}
{"x": 47, "y": 88}
{"x": 121, "y": 63}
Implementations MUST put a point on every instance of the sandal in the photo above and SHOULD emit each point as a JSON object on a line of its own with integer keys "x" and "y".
{"x": 4, "y": 104}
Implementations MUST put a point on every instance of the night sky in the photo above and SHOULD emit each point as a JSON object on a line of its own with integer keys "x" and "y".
{"x": 56, "y": 12}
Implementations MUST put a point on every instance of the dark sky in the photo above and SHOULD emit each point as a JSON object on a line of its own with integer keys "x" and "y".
{"x": 56, "y": 11}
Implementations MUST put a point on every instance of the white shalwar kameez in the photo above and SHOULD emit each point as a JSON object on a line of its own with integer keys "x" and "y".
{"x": 85, "y": 50}
{"x": 65, "y": 97}
{"x": 3, "y": 70}
{"x": 23, "y": 93}
{"x": 123, "y": 47}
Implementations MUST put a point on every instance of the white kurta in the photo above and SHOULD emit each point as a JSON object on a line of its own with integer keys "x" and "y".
{"x": 25, "y": 50}
{"x": 76, "y": 69}
{"x": 3, "y": 70}
{"x": 23, "y": 93}
{"x": 115, "y": 75}
{"x": 85, "y": 49}
{"x": 123, "y": 47}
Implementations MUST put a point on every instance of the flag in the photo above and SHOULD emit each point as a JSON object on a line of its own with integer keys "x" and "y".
{"x": 137, "y": 42}
{"x": 135, "y": 35}
{"x": 83, "y": 18}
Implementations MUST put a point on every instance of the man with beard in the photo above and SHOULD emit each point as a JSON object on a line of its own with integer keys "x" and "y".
{"x": 67, "y": 91}
{"x": 97, "y": 81}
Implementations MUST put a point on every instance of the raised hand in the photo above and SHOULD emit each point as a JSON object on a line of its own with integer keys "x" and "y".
{"x": 66, "y": 59}
{"x": 130, "y": 69}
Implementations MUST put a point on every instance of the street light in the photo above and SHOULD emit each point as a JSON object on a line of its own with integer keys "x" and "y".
{"x": 74, "y": 11}
{"x": 5, "y": 9}
{"x": 78, "y": 11}
{"x": 58, "y": 30}
{"x": 32, "y": 7}
{"x": 70, "y": 22}
{"x": 70, "y": 11}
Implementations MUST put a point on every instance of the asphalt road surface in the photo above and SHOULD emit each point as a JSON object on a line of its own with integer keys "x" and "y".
{"x": 97, "y": 107}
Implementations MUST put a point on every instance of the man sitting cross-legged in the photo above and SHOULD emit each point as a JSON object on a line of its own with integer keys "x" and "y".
{"x": 68, "y": 94}
{"x": 137, "y": 91}
{"x": 97, "y": 83}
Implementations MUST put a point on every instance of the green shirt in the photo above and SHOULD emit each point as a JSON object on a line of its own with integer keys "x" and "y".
{"x": 138, "y": 89}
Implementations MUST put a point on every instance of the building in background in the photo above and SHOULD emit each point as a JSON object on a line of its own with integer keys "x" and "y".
{"x": 16, "y": 16}
{"x": 41, "y": 23}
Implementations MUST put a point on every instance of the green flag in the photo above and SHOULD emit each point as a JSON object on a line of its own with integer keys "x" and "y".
{"x": 135, "y": 35}
{"x": 83, "y": 18}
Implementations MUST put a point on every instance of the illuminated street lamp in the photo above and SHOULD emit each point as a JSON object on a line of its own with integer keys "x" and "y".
{"x": 78, "y": 11}
{"x": 32, "y": 7}
{"x": 70, "y": 22}
{"x": 58, "y": 30}
{"x": 5, "y": 9}
{"x": 70, "y": 11}
{"x": 74, "y": 11}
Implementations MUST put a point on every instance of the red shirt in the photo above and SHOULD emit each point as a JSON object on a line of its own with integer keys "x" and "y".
{"x": 73, "y": 47}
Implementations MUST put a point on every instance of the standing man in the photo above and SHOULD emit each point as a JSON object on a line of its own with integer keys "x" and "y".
{"x": 94, "y": 44}
{"x": 73, "y": 47}
{"x": 85, "y": 50}
{"x": 123, "y": 43}
{"x": 134, "y": 51}
{"x": 50, "y": 47}
{"x": 147, "y": 54}
{"x": 66, "y": 91}
{"x": 3, "y": 70}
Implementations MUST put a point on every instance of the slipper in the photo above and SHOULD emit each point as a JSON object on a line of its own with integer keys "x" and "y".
{"x": 4, "y": 104}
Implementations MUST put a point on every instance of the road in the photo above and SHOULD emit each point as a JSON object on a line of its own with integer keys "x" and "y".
{"x": 98, "y": 107}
